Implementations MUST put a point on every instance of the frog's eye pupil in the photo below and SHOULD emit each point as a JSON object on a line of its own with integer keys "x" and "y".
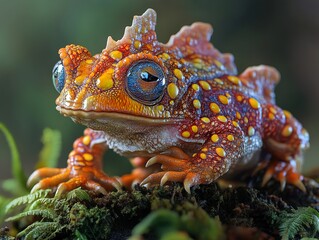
{"x": 148, "y": 77}
{"x": 58, "y": 76}
{"x": 145, "y": 82}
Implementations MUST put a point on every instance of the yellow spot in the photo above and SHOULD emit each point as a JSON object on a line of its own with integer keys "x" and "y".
{"x": 235, "y": 124}
{"x": 116, "y": 55}
{"x": 223, "y": 99}
{"x": 186, "y": 134}
{"x": 219, "y": 81}
{"x": 178, "y": 73}
{"x": 273, "y": 110}
{"x": 287, "y": 131}
{"x": 251, "y": 131}
{"x": 172, "y": 90}
{"x": 105, "y": 81}
{"x": 88, "y": 156}
{"x": 196, "y": 104}
{"x": 214, "y": 108}
{"x": 245, "y": 119}
{"x": 254, "y": 103}
{"x": 203, "y": 156}
{"x": 137, "y": 44}
{"x": 238, "y": 116}
{"x": 220, "y": 152}
{"x": 160, "y": 108}
{"x": 205, "y": 85}
{"x": 287, "y": 114}
{"x": 198, "y": 63}
{"x": 89, "y": 61}
{"x": 228, "y": 95}
{"x": 230, "y": 137}
{"x": 194, "y": 128}
{"x": 195, "y": 87}
{"x": 271, "y": 116}
{"x": 235, "y": 80}
{"x": 204, "y": 149}
{"x": 205, "y": 119}
{"x": 86, "y": 140}
{"x": 214, "y": 138}
{"x": 171, "y": 102}
{"x": 222, "y": 118}
{"x": 218, "y": 63}
{"x": 165, "y": 56}
{"x": 239, "y": 98}
{"x": 79, "y": 80}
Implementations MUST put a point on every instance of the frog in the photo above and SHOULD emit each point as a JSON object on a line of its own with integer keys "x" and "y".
{"x": 180, "y": 111}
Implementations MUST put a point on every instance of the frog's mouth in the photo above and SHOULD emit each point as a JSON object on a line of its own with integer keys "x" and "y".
{"x": 99, "y": 119}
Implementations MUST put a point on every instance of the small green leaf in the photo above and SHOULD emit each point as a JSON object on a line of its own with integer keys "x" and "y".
{"x": 79, "y": 194}
{"x": 50, "y": 152}
{"x": 80, "y": 236}
{"x": 17, "y": 171}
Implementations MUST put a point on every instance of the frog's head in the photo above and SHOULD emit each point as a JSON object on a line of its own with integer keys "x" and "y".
{"x": 137, "y": 77}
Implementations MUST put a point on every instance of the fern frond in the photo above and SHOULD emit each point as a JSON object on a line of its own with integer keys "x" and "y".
{"x": 78, "y": 193}
{"x": 40, "y": 230}
{"x": 46, "y": 202}
{"x": 44, "y": 213}
{"x": 302, "y": 220}
{"x": 27, "y": 199}
{"x": 17, "y": 171}
{"x": 50, "y": 152}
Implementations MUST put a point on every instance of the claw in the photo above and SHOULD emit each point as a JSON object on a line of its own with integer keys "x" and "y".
{"x": 173, "y": 177}
{"x": 164, "y": 179}
{"x": 189, "y": 181}
{"x": 151, "y": 162}
{"x": 153, "y": 178}
{"x": 300, "y": 185}
{"x": 35, "y": 188}
{"x": 268, "y": 175}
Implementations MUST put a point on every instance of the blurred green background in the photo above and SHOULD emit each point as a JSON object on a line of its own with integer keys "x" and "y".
{"x": 282, "y": 33}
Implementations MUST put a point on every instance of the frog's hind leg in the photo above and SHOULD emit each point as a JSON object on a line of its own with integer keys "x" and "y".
{"x": 285, "y": 140}
{"x": 84, "y": 168}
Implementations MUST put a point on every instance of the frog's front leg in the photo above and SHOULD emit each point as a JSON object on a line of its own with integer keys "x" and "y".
{"x": 84, "y": 168}
{"x": 224, "y": 146}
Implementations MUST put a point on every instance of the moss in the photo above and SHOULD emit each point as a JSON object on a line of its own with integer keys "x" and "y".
{"x": 118, "y": 215}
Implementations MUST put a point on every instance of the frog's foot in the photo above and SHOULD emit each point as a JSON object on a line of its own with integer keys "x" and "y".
{"x": 84, "y": 169}
{"x": 176, "y": 168}
{"x": 138, "y": 174}
{"x": 282, "y": 171}
{"x": 67, "y": 179}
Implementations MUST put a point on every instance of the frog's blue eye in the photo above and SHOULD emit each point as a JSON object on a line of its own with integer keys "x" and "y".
{"x": 145, "y": 82}
{"x": 58, "y": 76}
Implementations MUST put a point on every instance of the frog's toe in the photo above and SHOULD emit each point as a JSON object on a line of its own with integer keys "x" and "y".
{"x": 70, "y": 178}
{"x": 168, "y": 163}
{"x": 189, "y": 179}
{"x": 107, "y": 182}
{"x": 284, "y": 172}
{"x": 42, "y": 173}
{"x": 49, "y": 182}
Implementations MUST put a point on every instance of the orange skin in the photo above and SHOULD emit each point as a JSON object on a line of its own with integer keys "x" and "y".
{"x": 201, "y": 121}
